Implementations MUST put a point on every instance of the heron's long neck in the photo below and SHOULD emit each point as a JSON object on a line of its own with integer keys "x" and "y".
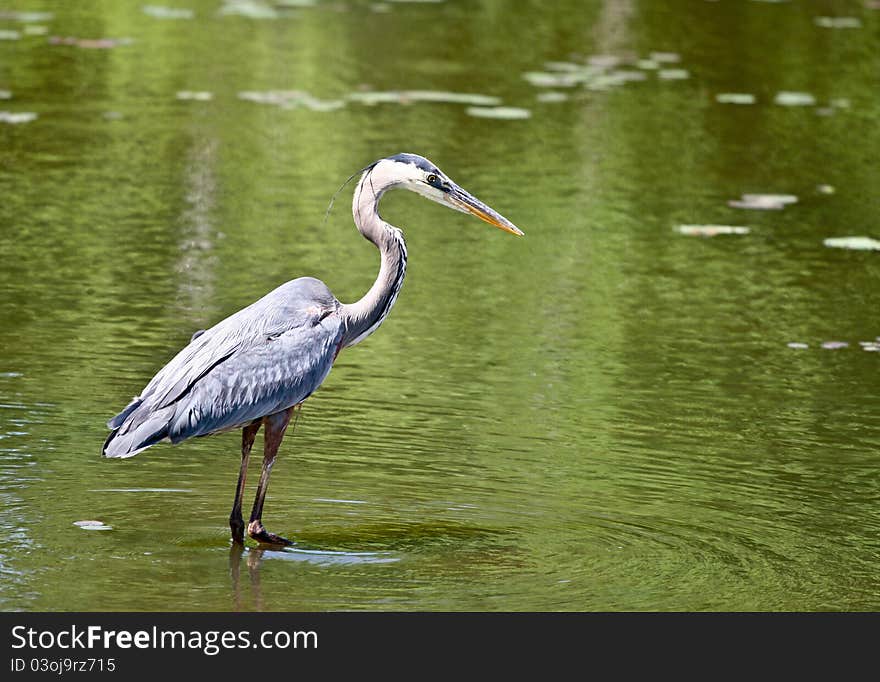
{"x": 363, "y": 317}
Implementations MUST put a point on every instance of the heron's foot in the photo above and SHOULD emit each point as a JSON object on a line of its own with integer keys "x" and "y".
{"x": 261, "y": 535}
{"x": 236, "y": 525}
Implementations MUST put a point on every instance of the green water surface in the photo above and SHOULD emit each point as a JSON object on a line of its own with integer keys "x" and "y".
{"x": 602, "y": 415}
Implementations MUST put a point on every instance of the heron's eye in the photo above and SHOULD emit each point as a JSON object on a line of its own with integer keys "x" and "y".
{"x": 432, "y": 179}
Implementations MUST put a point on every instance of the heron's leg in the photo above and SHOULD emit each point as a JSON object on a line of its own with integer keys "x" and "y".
{"x": 276, "y": 425}
{"x": 236, "y": 522}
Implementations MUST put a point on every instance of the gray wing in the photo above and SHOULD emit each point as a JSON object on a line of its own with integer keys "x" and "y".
{"x": 261, "y": 379}
{"x": 264, "y": 358}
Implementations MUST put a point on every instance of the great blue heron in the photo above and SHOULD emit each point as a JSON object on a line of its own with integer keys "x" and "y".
{"x": 258, "y": 365}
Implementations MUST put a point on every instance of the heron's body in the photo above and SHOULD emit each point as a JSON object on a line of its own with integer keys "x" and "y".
{"x": 261, "y": 360}
{"x": 254, "y": 367}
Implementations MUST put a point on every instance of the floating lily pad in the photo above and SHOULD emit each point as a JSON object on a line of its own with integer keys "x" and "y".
{"x": 666, "y": 57}
{"x": 557, "y": 79}
{"x": 291, "y": 99}
{"x": 450, "y": 97}
{"x": 776, "y": 198}
{"x": 735, "y": 98}
{"x": 551, "y": 96}
{"x": 89, "y": 43}
{"x": 613, "y": 79}
{"x": 711, "y": 230}
{"x": 250, "y": 9}
{"x": 142, "y": 490}
{"x": 563, "y": 66}
{"x": 15, "y": 117}
{"x": 604, "y": 61}
{"x": 838, "y": 22}
{"x": 411, "y": 96}
{"x": 506, "y": 113}
{"x": 673, "y": 74}
{"x": 797, "y": 345}
{"x": 854, "y": 243}
{"x": 763, "y": 202}
{"x": 787, "y": 98}
{"x": 198, "y": 96}
{"x": 161, "y": 12}
{"x": 92, "y": 525}
{"x": 26, "y": 16}
{"x": 371, "y": 98}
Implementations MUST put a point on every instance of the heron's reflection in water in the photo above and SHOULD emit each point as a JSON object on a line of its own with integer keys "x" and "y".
{"x": 256, "y": 556}
{"x": 253, "y": 561}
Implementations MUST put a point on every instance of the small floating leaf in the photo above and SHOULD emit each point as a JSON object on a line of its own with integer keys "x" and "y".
{"x": 249, "y": 9}
{"x": 450, "y": 97}
{"x": 666, "y": 57}
{"x": 763, "y": 202}
{"x": 15, "y": 117}
{"x": 506, "y": 113}
{"x": 198, "y": 96}
{"x": 563, "y": 66}
{"x": 604, "y": 61}
{"x": 735, "y": 98}
{"x": 544, "y": 79}
{"x": 92, "y": 525}
{"x": 711, "y": 230}
{"x": 838, "y": 22}
{"x": 673, "y": 74}
{"x": 551, "y": 96}
{"x": 855, "y": 243}
{"x": 372, "y": 98}
{"x": 410, "y": 96}
{"x": 89, "y": 43}
{"x": 776, "y": 198}
{"x": 160, "y": 12}
{"x": 26, "y": 16}
{"x": 291, "y": 99}
{"x": 787, "y": 98}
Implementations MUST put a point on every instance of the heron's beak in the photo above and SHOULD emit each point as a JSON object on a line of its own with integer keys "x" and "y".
{"x": 462, "y": 201}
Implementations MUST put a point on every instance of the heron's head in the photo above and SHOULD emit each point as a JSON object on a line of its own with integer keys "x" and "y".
{"x": 416, "y": 173}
